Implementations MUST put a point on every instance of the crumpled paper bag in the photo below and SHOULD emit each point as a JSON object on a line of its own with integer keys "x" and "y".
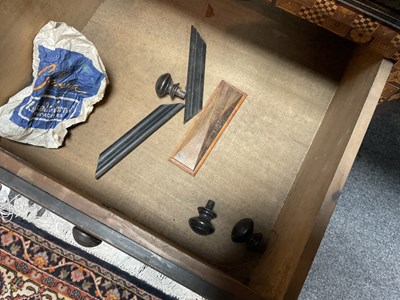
{"x": 68, "y": 79}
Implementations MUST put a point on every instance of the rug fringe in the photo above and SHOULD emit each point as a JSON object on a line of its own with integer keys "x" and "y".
{"x": 60, "y": 228}
{"x": 6, "y": 207}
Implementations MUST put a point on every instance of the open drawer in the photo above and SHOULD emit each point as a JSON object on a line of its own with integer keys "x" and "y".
{"x": 282, "y": 161}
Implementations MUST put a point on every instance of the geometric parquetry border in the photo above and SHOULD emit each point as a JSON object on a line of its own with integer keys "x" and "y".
{"x": 355, "y": 26}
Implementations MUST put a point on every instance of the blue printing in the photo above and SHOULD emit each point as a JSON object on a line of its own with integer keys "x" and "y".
{"x": 65, "y": 79}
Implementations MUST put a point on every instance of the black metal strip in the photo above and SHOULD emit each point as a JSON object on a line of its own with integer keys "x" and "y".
{"x": 135, "y": 136}
{"x": 116, "y": 239}
{"x": 195, "y": 76}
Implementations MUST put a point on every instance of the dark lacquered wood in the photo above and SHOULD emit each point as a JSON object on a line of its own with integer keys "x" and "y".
{"x": 208, "y": 283}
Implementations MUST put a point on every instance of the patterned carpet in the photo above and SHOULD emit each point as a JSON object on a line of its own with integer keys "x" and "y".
{"x": 35, "y": 265}
{"x": 13, "y": 204}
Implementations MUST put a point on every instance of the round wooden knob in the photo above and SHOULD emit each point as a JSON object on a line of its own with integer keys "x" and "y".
{"x": 242, "y": 232}
{"x": 165, "y": 85}
{"x": 202, "y": 224}
{"x": 84, "y": 239}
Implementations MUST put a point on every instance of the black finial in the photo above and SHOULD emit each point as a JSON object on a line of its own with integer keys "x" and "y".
{"x": 165, "y": 85}
{"x": 202, "y": 224}
{"x": 242, "y": 232}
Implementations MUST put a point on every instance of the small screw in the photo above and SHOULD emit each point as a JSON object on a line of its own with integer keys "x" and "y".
{"x": 165, "y": 85}
{"x": 202, "y": 224}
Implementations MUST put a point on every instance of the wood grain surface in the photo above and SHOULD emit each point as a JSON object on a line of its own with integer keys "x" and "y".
{"x": 208, "y": 127}
{"x": 291, "y": 76}
{"x": 308, "y": 206}
{"x": 283, "y": 161}
{"x": 135, "y": 232}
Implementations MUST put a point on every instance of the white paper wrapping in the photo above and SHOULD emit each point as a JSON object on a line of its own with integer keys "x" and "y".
{"x": 68, "y": 79}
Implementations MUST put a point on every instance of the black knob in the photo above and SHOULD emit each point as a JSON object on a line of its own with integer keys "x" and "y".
{"x": 202, "y": 224}
{"x": 84, "y": 239}
{"x": 242, "y": 232}
{"x": 164, "y": 85}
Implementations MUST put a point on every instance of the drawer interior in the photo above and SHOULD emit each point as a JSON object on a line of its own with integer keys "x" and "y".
{"x": 290, "y": 71}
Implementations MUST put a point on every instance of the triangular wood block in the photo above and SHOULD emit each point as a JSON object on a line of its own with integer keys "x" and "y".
{"x": 198, "y": 142}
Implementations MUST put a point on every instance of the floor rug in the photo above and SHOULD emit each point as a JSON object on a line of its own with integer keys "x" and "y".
{"x": 35, "y": 265}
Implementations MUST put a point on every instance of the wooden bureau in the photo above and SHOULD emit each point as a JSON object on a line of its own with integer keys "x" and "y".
{"x": 283, "y": 160}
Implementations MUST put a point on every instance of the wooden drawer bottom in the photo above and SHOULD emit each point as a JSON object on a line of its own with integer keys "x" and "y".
{"x": 282, "y": 161}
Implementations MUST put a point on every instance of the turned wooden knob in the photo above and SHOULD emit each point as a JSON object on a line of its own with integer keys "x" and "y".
{"x": 84, "y": 239}
{"x": 202, "y": 224}
{"x": 242, "y": 232}
{"x": 165, "y": 85}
